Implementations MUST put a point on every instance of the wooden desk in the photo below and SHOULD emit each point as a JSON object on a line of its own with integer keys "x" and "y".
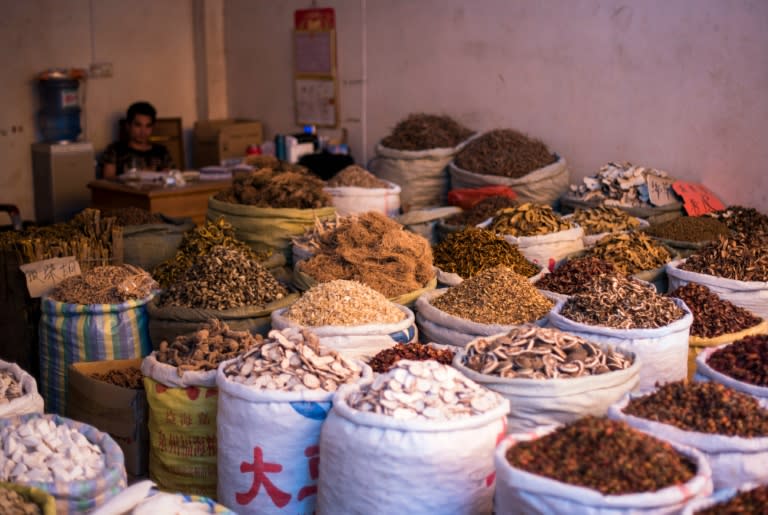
{"x": 190, "y": 201}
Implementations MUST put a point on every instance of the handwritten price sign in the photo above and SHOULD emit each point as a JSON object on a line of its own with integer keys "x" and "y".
{"x": 43, "y": 276}
{"x": 697, "y": 198}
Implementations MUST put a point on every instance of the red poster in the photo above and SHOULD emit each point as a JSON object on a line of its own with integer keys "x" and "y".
{"x": 697, "y": 198}
{"x": 315, "y": 19}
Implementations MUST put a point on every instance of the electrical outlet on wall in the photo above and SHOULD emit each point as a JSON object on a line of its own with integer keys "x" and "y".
{"x": 100, "y": 71}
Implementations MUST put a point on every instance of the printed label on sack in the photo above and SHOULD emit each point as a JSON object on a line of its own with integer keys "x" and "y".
{"x": 43, "y": 276}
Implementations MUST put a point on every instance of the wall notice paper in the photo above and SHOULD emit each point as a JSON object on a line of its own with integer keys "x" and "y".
{"x": 316, "y": 102}
{"x": 697, "y": 198}
{"x": 43, "y": 276}
{"x": 660, "y": 191}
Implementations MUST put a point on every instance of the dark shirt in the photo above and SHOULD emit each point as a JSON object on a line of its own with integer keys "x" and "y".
{"x": 124, "y": 157}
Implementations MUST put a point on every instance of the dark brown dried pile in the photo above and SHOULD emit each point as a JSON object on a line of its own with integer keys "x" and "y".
{"x": 746, "y": 220}
{"x": 481, "y": 211}
{"x": 704, "y": 407}
{"x": 426, "y": 131}
{"x": 374, "y": 250}
{"x": 751, "y": 502}
{"x": 126, "y": 216}
{"x": 689, "y": 228}
{"x": 130, "y": 377}
{"x": 269, "y": 188}
{"x": 744, "y": 360}
{"x": 355, "y": 175}
{"x": 387, "y": 358}
{"x": 575, "y": 275}
{"x": 713, "y": 316}
{"x": 604, "y": 455}
{"x": 504, "y": 152}
{"x": 742, "y": 258}
{"x": 469, "y": 251}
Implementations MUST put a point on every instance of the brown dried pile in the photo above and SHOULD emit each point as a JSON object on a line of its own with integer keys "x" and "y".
{"x": 481, "y": 211}
{"x": 375, "y": 251}
{"x": 105, "y": 285}
{"x": 689, "y": 228}
{"x": 576, "y": 275}
{"x": 387, "y": 358}
{"x": 504, "y": 152}
{"x": 474, "y": 249}
{"x": 355, "y": 175}
{"x": 746, "y": 220}
{"x": 742, "y": 258}
{"x": 130, "y": 377}
{"x": 269, "y": 188}
{"x": 126, "y": 216}
{"x": 713, "y": 316}
{"x": 426, "y": 131}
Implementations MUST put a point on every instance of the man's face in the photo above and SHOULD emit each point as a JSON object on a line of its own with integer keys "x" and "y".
{"x": 140, "y": 129}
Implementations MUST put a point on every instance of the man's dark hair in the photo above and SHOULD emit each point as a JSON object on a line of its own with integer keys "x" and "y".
{"x": 144, "y": 108}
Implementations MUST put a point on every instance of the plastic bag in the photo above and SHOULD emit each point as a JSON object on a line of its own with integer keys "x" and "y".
{"x": 466, "y": 198}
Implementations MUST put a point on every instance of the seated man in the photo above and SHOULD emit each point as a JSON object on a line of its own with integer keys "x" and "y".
{"x": 137, "y": 152}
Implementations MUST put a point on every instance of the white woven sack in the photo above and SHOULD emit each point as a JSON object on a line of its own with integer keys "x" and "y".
{"x": 361, "y": 341}
{"x": 352, "y": 199}
{"x": 371, "y": 463}
{"x": 733, "y": 460}
{"x": 663, "y": 351}
{"x": 169, "y": 375}
{"x": 544, "y": 402}
{"x": 751, "y": 295}
{"x": 706, "y": 373}
{"x": 30, "y": 401}
{"x": 280, "y": 428}
{"x": 543, "y": 186}
{"x": 438, "y": 326}
{"x": 520, "y": 492}
{"x": 717, "y": 497}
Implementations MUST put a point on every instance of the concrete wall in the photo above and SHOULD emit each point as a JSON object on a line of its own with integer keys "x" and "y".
{"x": 150, "y": 44}
{"x": 679, "y": 85}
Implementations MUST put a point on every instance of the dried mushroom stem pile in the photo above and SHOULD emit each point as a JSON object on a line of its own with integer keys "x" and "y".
{"x": 604, "y": 219}
{"x": 10, "y": 388}
{"x": 528, "y": 219}
{"x": 740, "y": 219}
{"x": 292, "y": 360}
{"x": 39, "y": 450}
{"x": 205, "y": 349}
{"x": 423, "y": 390}
{"x": 105, "y": 285}
{"x": 343, "y": 303}
{"x": 631, "y": 252}
{"x": 621, "y": 303}
{"x": 533, "y": 352}
{"x": 742, "y": 258}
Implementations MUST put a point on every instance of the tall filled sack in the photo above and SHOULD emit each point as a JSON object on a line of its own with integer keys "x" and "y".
{"x": 80, "y": 466}
{"x": 148, "y": 245}
{"x": 268, "y": 426}
{"x": 19, "y": 391}
{"x": 438, "y": 459}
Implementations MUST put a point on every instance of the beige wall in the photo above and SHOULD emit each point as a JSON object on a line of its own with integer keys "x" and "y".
{"x": 675, "y": 84}
{"x": 150, "y": 44}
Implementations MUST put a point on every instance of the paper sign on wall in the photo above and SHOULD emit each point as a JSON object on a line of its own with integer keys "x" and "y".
{"x": 660, "y": 190}
{"x": 697, "y": 198}
{"x": 43, "y": 276}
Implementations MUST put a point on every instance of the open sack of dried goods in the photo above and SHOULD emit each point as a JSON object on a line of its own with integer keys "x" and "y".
{"x": 349, "y": 317}
{"x": 749, "y": 498}
{"x": 270, "y": 205}
{"x": 574, "y": 276}
{"x": 510, "y": 158}
{"x": 601, "y": 221}
{"x": 548, "y": 376}
{"x": 78, "y": 465}
{"x": 687, "y": 233}
{"x": 465, "y": 253}
{"x": 735, "y": 268}
{"x": 730, "y": 428}
{"x": 415, "y": 156}
{"x": 741, "y": 365}
{"x": 356, "y": 190}
{"x": 18, "y": 392}
{"x": 388, "y": 358}
{"x": 18, "y": 499}
{"x": 180, "y": 381}
{"x": 143, "y": 498}
{"x": 630, "y": 315}
{"x": 148, "y": 238}
{"x": 98, "y": 315}
{"x": 473, "y": 216}
{"x": 596, "y": 465}
{"x": 740, "y": 219}
{"x": 628, "y": 187}
{"x": 374, "y": 250}
{"x": 273, "y": 400}
{"x": 489, "y": 303}
{"x": 541, "y": 235}
{"x": 715, "y": 321}
{"x": 422, "y": 432}
{"x": 226, "y": 283}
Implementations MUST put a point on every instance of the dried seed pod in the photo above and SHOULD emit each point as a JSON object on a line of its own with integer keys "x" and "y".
{"x": 744, "y": 360}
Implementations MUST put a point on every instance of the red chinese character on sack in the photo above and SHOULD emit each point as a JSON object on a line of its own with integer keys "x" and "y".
{"x": 260, "y": 471}
{"x": 313, "y": 453}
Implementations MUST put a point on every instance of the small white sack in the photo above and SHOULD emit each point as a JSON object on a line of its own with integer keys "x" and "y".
{"x": 30, "y": 401}
{"x": 441, "y": 327}
{"x": 352, "y": 199}
{"x": 663, "y": 351}
{"x": 706, "y": 373}
{"x": 544, "y": 402}
{"x": 733, "y": 460}
{"x": 361, "y": 341}
{"x": 751, "y": 295}
{"x": 283, "y": 428}
{"x": 169, "y": 375}
{"x": 518, "y": 491}
{"x": 373, "y": 463}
